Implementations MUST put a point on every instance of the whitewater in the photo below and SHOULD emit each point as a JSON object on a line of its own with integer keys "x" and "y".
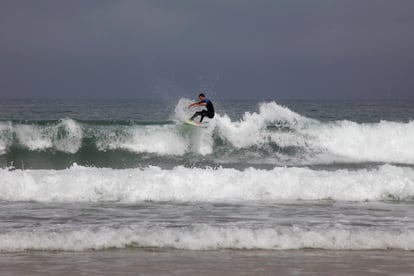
{"x": 273, "y": 135}
{"x": 85, "y": 184}
{"x": 82, "y": 175}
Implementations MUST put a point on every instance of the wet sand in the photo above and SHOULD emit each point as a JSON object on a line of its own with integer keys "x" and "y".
{"x": 226, "y": 262}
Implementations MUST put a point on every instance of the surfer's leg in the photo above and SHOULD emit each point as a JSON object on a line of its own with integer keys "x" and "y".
{"x": 198, "y": 113}
{"x": 203, "y": 114}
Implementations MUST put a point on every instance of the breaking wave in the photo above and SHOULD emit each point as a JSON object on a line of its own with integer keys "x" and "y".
{"x": 205, "y": 237}
{"x": 273, "y": 135}
{"x": 180, "y": 184}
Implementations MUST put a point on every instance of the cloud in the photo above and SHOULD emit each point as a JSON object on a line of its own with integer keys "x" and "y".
{"x": 284, "y": 48}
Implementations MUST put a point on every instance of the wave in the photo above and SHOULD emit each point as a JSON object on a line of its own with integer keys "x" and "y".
{"x": 205, "y": 237}
{"x": 70, "y": 136}
{"x": 180, "y": 184}
{"x": 273, "y": 135}
{"x": 65, "y": 135}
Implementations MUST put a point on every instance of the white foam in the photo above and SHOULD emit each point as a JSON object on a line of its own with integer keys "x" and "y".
{"x": 206, "y": 237}
{"x": 321, "y": 142}
{"x": 163, "y": 140}
{"x": 251, "y": 129}
{"x": 84, "y": 184}
{"x": 181, "y": 110}
{"x": 379, "y": 142}
{"x": 6, "y": 136}
{"x": 67, "y": 136}
{"x": 33, "y": 137}
{"x": 64, "y": 136}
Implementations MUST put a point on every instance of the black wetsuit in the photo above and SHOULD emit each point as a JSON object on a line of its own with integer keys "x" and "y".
{"x": 203, "y": 113}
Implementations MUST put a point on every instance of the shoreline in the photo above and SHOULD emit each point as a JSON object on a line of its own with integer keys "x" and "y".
{"x": 220, "y": 262}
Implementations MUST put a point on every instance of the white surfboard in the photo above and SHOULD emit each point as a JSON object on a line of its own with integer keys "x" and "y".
{"x": 196, "y": 124}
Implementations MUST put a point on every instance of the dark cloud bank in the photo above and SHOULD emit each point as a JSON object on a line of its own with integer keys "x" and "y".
{"x": 319, "y": 49}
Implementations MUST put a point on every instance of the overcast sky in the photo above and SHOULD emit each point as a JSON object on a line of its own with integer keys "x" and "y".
{"x": 291, "y": 49}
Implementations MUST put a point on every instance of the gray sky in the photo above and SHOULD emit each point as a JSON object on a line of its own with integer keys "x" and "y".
{"x": 292, "y": 49}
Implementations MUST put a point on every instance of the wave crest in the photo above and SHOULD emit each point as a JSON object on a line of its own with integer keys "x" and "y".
{"x": 274, "y": 135}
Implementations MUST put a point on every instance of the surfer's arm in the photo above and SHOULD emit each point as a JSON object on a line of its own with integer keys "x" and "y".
{"x": 197, "y": 104}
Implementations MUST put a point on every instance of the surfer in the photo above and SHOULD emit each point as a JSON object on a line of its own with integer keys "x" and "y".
{"x": 203, "y": 113}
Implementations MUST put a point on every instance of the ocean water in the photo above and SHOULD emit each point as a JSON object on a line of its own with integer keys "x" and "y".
{"x": 277, "y": 176}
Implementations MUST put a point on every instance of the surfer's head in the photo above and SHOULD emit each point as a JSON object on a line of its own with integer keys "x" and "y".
{"x": 201, "y": 96}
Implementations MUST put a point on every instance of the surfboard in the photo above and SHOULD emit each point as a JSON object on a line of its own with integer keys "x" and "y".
{"x": 196, "y": 124}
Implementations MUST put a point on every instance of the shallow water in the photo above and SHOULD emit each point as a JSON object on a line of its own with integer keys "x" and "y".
{"x": 178, "y": 262}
